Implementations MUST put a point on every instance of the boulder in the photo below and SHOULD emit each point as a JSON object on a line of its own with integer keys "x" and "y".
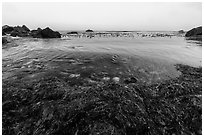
{"x": 194, "y": 32}
{"x": 36, "y": 33}
{"x": 20, "y": 31}
{"x": 89, "y": 30}
{"x": 25, "y": 28}
{"x": 45, "y": 33}
{"x": 7, "y": 29}
{"x": 181, "y": 31}
{"x": 72, "y": 32}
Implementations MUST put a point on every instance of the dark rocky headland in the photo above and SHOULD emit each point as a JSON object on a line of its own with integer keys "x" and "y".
{"x": 25, "y": 32}
{"x": 194, "y": 34}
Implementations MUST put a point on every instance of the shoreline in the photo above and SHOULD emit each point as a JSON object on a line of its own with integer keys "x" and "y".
{"x": 110, "y": 108}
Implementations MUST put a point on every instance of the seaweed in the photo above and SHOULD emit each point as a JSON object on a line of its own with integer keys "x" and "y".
{"x": 52, "y": 106}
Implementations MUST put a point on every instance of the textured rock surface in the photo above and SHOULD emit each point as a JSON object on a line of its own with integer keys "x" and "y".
{"x": 194, "y": 32}
{"x": 49, "y": 105}
{"x": 45, "y": 33}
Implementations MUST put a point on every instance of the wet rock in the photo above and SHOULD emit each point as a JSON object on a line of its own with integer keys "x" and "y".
{"x": 106, "y": 78}
{"x": 116, "y": 79}
{"x": 51, "y": 106}
{"x": 130, "y": 80}
{"x": 74, "y": 75}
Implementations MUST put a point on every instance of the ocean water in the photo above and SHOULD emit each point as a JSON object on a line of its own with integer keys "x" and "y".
{"x": 149, "y": 59}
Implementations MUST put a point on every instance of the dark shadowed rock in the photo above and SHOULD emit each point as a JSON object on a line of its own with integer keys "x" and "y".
{"x": 45, "y": 33}
{"x": 130, "y": 80}
{"x": 36, "y": 33}
{"x": 25, "y": 28}
{"x": 194, "y": 32}
{"x": 20, "y": 31}
{"x": 89, "y": 30}
{"x": 3, "y": 33}
{"x": 7, "y": 29}
{"x": 4, "y": 40}
{"x": 72, "y": 32}
{"x": 48, "y": 33}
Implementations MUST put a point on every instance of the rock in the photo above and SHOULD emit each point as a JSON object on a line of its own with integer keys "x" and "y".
{"x": 130, "y": 80}
{"x": 48, "y": 33}
{"x": 3, "y": 33}
{"x": 194, "y": 32}
{"x": 4, "y": 40}
{"x": 106, "y": 78}
{"x": 116, "y": 79}
{"x": 181, "y": 31}
{"x": 20, "y": 31}
{"x": 36, "y": 33}
{"x": 74, "y": 75}
{"x": 7, "y": 29}
{"x": 25, "y": 28}
{"x": 89, "y": 30}
{"x": 45, "y": 33}
{"x": 72, "y": 32}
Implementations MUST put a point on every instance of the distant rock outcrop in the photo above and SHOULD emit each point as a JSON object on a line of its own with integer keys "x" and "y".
{"x": 181, "y": 31}
{"x": 15, "y": 31}
{"x": 45, "y": 33}
{"x": 36, "y": 33}
{"x": 89, "y": 30}
{"x": 20, "y": 31}
{"x": 6, "y": 29}
{"x": 72, "y": 32}
{"x": 194, "y": 32}
{"x": 25, "y": 32}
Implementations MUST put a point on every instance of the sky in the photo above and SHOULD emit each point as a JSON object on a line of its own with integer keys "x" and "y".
{"x": 128, "y": 16}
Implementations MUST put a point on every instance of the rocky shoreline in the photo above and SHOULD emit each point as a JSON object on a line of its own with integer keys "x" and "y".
{"x": 26, "y": 32}
{"x": 71, "y": 98}
{"x": 51, "y": 106}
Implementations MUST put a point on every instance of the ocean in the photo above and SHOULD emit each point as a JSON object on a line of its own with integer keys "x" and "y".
{"x": 150, "y": 59}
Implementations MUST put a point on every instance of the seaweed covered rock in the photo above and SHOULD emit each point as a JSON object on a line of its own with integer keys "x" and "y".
{"x": 50, "y": 105}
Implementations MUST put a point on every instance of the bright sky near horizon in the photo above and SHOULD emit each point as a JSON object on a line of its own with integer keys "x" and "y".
{"x": 104, "y": 16}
